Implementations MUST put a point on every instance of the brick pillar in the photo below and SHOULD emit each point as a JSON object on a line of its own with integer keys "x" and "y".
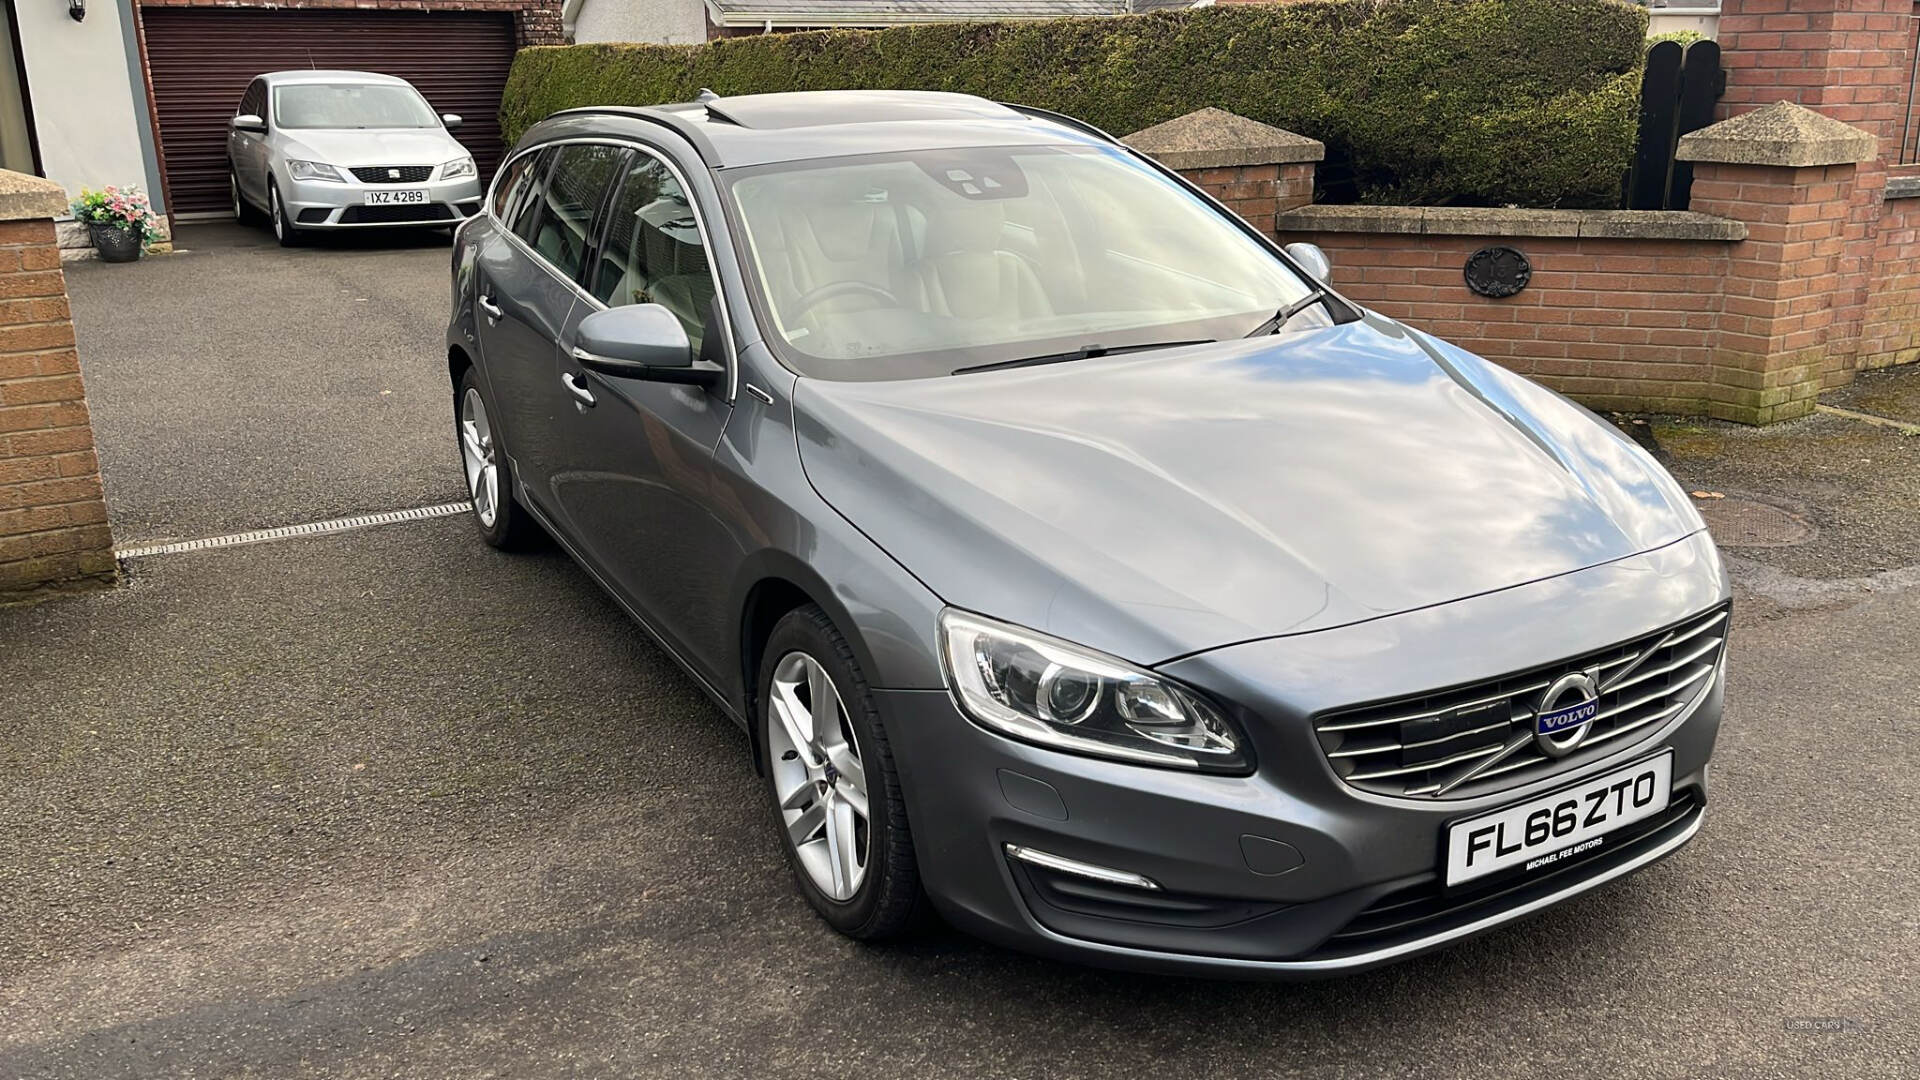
{"x": 53, "y": 517}
{"x": 1849, "y": 60}
{"x": 1791, "y": 176}
{"x": 1257, "y": 170}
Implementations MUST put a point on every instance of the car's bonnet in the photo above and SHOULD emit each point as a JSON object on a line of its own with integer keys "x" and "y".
{"x": 373, "y": 146}
{"x": 1157, "y": 504}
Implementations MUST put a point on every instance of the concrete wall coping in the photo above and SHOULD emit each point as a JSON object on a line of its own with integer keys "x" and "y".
{"x": 26, "y": 198}
{"x": 1215, "y": 138}
{"x": 1782, "y": 134}
{"x": 1902, "y": 187}
{"x": 1494, "y": 221}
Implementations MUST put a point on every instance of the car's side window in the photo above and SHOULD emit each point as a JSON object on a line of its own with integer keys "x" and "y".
{"x": 567, "y": 202}
{"x": 254, "y": 101}
{"x": 652, "y": 252}
{"x": 525, "y": 204}
{"x": 506, "y": 192}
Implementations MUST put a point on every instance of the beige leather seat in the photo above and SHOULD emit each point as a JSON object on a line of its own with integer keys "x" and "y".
{"x": 965, "y": 273}
{"x": 833, "y": 240}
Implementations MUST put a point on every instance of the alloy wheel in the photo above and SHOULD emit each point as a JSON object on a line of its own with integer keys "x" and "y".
{"x": 818, "y": 776}
{"x": 476, "y": 453}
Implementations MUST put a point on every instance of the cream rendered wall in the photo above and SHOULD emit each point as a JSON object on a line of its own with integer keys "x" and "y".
{"x": 85, "y": 113}
{"x": 667, "y": 22}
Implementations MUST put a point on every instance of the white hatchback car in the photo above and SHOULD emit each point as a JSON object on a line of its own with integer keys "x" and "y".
{"x": 346, "y": 149}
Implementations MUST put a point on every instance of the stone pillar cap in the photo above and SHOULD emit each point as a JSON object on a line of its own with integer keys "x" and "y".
{"x": 1215, "y": 138}
{"x": 1781, "y": 134}
{"x": 26, "y": 198}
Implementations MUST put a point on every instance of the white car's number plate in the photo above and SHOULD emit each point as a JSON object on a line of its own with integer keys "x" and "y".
{"x": 1572, "y": 821}
{"x": 397, "y": 197}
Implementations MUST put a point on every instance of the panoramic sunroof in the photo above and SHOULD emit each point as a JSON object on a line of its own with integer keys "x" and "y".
{"x": 772, "y": 112}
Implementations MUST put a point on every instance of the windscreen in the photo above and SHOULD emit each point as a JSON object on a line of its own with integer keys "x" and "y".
{"x": 914, "y": 264}
{"x": 351, "y": 105}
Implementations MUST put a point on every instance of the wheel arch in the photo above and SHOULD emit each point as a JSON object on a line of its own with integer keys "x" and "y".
{"x": 774, "y": 584}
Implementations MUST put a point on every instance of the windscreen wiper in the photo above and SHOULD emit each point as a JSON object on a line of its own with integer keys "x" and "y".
{"x": 1084, "y": 352}
{"x": 1318, "y": 295}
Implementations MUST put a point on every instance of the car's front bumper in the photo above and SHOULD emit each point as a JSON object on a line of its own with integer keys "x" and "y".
{"x": 317, "y": 204}
{"x": 1288, "y": 872}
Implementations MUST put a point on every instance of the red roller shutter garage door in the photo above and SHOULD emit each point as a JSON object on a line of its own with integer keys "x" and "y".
{"x": 203, "y": 58}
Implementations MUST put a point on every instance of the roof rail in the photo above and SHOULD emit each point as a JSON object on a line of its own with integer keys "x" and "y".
{"x": 1059, "y": 118}
{"x": 688, "y": 131}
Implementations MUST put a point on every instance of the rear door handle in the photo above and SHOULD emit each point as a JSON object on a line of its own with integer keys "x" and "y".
{"x": 487, "y": 308}
{"x": 577, "y": 386}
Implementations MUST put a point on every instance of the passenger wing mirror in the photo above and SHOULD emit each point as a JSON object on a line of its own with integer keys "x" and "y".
{"x": 451, "y": 120}
{"x": 1311, "y": 259}
{"x": 640, "y": 341}
{"x": 248, "y": 122}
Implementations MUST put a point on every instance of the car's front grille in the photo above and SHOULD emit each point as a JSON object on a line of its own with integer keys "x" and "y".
{"x": 394, "y": 215}
{"x": 393, "y": 174}
{"x": 1477, "y": 739}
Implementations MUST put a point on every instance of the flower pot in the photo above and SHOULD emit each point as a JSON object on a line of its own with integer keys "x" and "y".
{"x": 115, "y": 243}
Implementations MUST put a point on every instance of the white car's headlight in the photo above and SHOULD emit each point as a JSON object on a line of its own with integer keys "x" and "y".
{"x": 457, "y": 168}
{"x": 314, "y": 170}
{"x": 1052, "y": 692}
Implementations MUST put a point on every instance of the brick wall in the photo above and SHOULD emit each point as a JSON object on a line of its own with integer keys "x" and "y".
{"x": 536, "y": 22}
{"x": 53, "y": 518}
{"x": 1258, "y": 192}
{"x": 1890, "y": 330}
{"x": 1618, "y": 324}
{"x": 1850, "y": 60}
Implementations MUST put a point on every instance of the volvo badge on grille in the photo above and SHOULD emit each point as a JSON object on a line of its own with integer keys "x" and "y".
{"x": 1566, "y": 714}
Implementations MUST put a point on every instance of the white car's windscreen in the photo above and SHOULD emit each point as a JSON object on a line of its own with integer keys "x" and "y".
{"x": 351, "y": 105}
{"x": 915, "y": 264}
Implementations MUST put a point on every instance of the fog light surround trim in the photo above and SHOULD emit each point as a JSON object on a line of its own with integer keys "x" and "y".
{"x": 1063, "y": 865}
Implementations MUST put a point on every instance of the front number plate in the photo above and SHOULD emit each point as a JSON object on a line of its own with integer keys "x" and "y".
{"x": 397, "y": 197}
{"x": 1572, "y": 821}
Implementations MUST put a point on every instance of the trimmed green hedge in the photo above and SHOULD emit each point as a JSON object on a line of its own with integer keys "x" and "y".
{"x": 1470, "y": 102}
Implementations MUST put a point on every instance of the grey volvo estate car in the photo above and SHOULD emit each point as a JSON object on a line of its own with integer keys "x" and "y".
{"x": 1081, "y": 565}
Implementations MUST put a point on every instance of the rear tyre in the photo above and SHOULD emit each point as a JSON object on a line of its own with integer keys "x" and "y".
{"x": 502, "y": 522}
{"x": 837, "y": 801}
{"x": 284, "y": 230}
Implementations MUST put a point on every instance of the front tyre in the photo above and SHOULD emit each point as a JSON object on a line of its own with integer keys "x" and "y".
{"x": 830, "y": 774}
{"x": 502, "y": 522}
{"x": 284, "y": 229}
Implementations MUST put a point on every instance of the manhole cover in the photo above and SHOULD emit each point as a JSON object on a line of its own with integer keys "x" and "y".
{"x": 1737, "y": 522}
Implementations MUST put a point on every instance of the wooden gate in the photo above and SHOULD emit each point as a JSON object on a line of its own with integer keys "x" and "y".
{"x": 1677, "y": 95}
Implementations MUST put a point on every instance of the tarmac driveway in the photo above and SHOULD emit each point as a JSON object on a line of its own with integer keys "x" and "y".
{"x": 389, "y": 803}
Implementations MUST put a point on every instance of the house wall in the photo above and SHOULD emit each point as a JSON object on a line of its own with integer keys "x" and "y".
{"x": 89, "y": 105}
{"x": 665, "y": 22}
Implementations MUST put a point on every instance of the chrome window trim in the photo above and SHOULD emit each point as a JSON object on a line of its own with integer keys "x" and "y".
{"x": 699, "y": 221}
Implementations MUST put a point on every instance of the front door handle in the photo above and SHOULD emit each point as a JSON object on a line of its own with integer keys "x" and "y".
{"x": 487, "y": 308}
{"x": 577, "y": 386}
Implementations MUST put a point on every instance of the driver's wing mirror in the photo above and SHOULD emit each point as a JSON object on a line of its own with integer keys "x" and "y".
{"x": 248, "y": 122}
{"x": 640, "y": 341}
{"x": 1311, "y": 259}
{"x": 451, "y": 120}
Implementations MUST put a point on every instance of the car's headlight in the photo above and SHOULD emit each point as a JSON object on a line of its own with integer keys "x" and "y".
{"x": 457, "y": 168}
{"x": 1052, "y": 692}
{"x": 313, "y": 170}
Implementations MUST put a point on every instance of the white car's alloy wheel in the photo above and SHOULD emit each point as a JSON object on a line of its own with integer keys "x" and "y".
{"x": 476, "y": 453}
{"x": 818, "y": 777}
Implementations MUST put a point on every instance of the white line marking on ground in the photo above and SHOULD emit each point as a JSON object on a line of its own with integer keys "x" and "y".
{"x": 286, "y": 532}
{"x": 1868, "y": 418}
